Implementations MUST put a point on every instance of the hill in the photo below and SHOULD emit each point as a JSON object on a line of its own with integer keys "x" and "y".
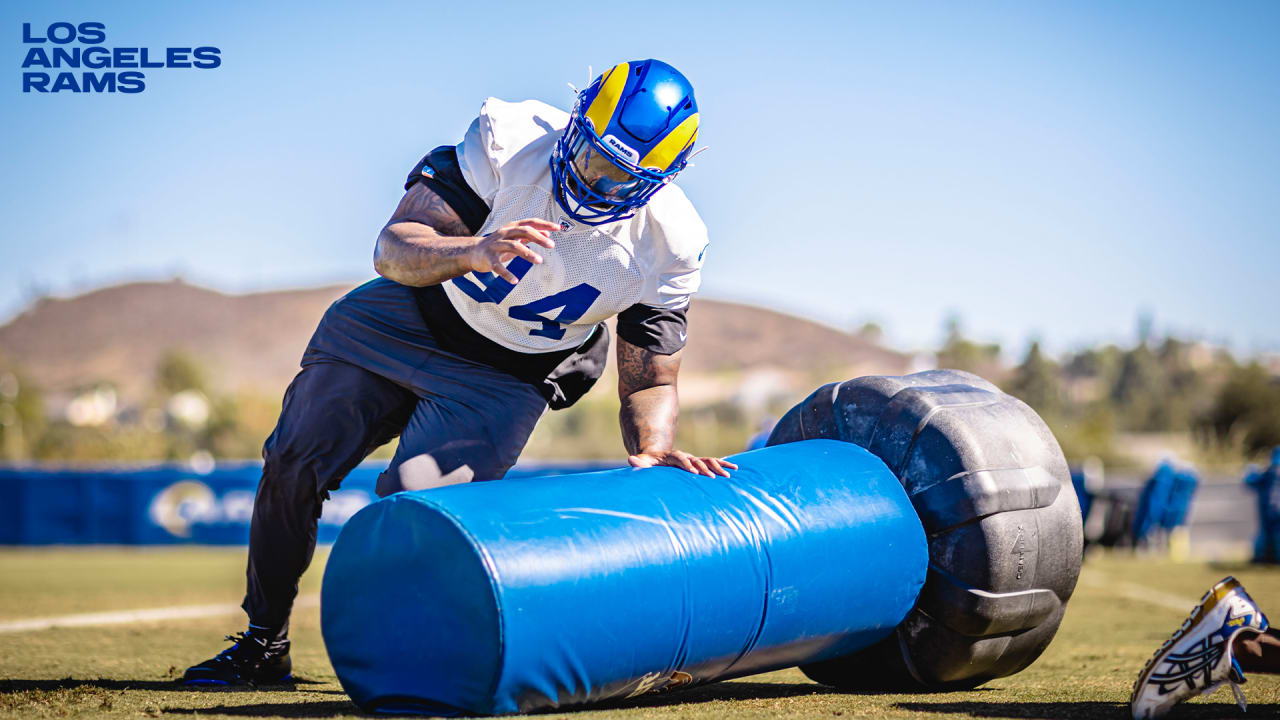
{"x": 254, "y": 341}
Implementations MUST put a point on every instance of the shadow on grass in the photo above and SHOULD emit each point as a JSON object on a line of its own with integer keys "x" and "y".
{"x": 715, "y": 692}
{"x": 1084, "y": 710}
{"x": 724, "y": 691}
{"x": 15, "y": 686}
{"x": 333, "y": 708}
{"x": 692, "y": 696}
{"x": 733, "y": 690}
{"x": 320, "y": 708}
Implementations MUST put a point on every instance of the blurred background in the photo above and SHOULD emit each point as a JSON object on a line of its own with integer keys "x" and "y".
{"x": 1077, "y": 202}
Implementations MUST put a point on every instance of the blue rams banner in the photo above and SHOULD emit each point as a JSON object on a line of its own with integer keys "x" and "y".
{"x": 170, "y": 504}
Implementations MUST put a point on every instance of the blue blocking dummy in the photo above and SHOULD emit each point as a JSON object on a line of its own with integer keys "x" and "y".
{"x": 520, "y": 595}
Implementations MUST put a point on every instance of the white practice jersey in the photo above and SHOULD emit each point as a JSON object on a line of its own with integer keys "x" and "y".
{"x": 594, "y": 272}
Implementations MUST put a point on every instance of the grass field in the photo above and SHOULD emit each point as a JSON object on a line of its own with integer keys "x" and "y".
{"x": 1123, "y": 609}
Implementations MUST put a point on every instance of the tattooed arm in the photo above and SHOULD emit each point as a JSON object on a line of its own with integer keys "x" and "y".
{"x": 650, "y": 406}
{"x": 425, "y": 242}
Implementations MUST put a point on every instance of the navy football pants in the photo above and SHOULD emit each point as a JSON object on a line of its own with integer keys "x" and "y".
{"x": 371, "y": 372}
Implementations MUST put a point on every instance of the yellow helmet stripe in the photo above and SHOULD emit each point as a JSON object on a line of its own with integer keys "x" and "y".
{"x": 606, "y": 101}
{"x": 665, "y": 152}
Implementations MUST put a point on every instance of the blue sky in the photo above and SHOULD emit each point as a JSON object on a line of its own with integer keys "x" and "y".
{"x": 1039, "y": 169}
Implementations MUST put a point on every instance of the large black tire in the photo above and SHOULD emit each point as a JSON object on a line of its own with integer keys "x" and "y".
{"x": 994, "y": 494}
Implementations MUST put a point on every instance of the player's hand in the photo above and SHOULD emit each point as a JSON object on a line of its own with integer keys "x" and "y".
{"x": 492, "y": 251}
{"x": 708, "y": 466}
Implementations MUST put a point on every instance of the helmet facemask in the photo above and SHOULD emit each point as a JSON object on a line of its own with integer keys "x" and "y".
{"x": 592, "y": 173}
{"x": 594, "y": 185}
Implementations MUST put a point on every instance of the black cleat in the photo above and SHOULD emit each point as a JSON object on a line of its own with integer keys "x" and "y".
{"x": 252, "y": 660}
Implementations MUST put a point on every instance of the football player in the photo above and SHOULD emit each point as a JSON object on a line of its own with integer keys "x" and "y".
{"x": 1225, "y": 636}
{"x": 498, "y": 269}
{"x": 1266, "y": 483}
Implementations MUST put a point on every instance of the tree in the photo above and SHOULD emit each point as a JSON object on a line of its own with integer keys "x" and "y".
{"x": 871, "y": 332}
{"x": 21, "y": 416}
{"x": 960, "y": 353}
{"x": 1187, "y": 390}
{"x": 180, "y": 371}
{"x": 1246, "y": 411}
{"x": 1139, "y": 391}
{"x": 1037, "y": 382}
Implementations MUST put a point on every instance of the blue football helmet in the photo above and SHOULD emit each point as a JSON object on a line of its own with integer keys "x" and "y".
{"x": 629, "y": 134}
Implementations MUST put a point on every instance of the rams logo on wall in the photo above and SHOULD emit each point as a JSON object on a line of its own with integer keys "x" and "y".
{"x": 188, "y": 504}
{"x": 181, "y": 504}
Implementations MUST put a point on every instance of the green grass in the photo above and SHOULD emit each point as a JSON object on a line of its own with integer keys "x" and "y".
{"x": 128, "y": 670}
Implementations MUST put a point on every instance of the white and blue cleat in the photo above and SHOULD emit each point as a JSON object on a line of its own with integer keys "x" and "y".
{"x": 1198, "y": 659}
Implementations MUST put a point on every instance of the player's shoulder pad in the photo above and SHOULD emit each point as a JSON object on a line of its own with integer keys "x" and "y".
{"x": 673, "y": 221}
{"x": 508, "y": 127}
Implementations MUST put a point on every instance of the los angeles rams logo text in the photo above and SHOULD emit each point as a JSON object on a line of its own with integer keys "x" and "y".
{"x": 66, "y": 45}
